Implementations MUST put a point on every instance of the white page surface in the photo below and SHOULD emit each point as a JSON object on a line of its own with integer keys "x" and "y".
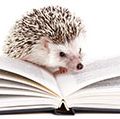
{"x": 30, "y": 71}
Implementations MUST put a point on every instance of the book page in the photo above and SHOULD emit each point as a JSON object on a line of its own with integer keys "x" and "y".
{"x": 113, "y": 85}
{"x": 91, "y": 73}
{"x": 104, "y": 84}
{"x": 102, "y": 94}
{"x": 16, "y": 95}
{"x": 22, "y": 102}
{"x": 30, "y": 71}
{"x": 7, "y": 83}
{"x": 11, "y": 77}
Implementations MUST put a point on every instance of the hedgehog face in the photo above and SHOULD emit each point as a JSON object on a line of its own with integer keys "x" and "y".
{"x": 67, "y": 55}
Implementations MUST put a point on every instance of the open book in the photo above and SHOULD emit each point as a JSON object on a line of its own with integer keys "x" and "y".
{"x": 26, "y": 88}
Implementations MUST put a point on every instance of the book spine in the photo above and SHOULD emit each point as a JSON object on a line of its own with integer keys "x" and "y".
{"x": 65, "y": 104}
{"x": 63, "y": 109}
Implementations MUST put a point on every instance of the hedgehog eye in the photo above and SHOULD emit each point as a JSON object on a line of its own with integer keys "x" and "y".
{"x": 80, "y": 51}
{"x": 62, "y": 54}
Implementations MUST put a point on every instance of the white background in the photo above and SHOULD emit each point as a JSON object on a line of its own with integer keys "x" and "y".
{"x": 102, "y": 21}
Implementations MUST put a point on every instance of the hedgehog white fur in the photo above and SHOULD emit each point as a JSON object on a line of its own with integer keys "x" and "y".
{"x": 48, "y": 37}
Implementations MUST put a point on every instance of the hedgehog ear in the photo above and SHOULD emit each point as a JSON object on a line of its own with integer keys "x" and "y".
{"x": 46, "y": 42}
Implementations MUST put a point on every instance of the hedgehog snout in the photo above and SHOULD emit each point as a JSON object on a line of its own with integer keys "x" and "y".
{"x": 75, "y": 64}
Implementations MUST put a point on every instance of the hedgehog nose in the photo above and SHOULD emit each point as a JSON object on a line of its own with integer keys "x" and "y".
{"x": 79, "y": 66}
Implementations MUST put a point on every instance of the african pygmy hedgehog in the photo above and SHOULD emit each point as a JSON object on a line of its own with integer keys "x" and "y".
{"x": 50, "y": 37}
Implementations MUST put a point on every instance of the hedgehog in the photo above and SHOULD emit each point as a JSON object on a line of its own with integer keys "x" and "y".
{"x": 49, "y": 37}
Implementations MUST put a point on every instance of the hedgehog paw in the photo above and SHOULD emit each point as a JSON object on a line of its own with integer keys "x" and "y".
{"x": 62, "y": 70}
